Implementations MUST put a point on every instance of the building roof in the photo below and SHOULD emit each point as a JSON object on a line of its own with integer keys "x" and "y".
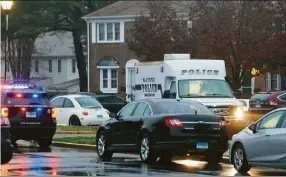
{"x": 134, "y": 8}
{"x": 64, "y": 85}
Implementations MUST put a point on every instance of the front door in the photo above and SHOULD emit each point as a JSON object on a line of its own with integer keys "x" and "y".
{"x": 259, "y": 144}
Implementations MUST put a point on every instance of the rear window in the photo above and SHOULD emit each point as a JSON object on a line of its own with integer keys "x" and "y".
{"x": 88, "y": 102}
{"x": 25, "y": 99}
{"x": 182, "y": 108}
{"x": 261, "y": 96}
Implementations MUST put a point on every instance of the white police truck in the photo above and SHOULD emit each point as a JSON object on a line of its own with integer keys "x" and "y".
{"x": 180, "y": 77}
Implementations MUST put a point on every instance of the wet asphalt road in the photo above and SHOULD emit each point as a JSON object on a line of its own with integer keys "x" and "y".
{"x": 74, "y": 162}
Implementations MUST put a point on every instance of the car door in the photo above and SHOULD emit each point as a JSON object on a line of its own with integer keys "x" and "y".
{"x": 118, "y": 128}
{"x": 257, "y": 145}
{"x": 277, "y": 140}
{"x": 58, "y": 104}
{"x": 67, "y": 110}
{"x": 134, "y": 123}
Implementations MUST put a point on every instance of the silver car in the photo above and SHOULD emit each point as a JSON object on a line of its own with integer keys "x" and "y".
{"x": 262, "y": 143}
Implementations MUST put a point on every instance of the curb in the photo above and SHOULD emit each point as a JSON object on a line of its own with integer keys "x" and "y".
{"x": 74, "y": 145}
{"x": 76, "y": 132}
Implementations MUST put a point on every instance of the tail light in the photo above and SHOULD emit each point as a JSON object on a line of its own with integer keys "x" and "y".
{"x": 4, "y": 112}
{"x": 5, "y": 121}
{"x": 23, "y": 109}
{"x": 19, "y": 95}
{"x": 272, "y": 100}
{"x": 222, "y": 123}
{"x": 85, "y": 113}
{"x": 54, "y": 113}
{"x": 174, "y": 122}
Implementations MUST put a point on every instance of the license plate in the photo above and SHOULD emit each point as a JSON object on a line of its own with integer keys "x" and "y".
{"x": 258, "y": 106}
{"x": 202, "y": 145}
{"x": 31, "y": 114}
{"x": 99, "y": 116}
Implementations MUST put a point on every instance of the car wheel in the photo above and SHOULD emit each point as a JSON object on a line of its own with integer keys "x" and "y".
{"x": 239, "y": 159}
{"x": 5, "y": 158}
{"x": 213, "y": 158}
{"x": 101, "y": 147}
{"x": 74, "y": 121}
{"x": 45, "y": 143}
{"x": 147, "y": 154}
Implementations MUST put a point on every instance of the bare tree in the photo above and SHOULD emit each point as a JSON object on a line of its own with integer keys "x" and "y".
{"x": 158, "y": 31}
{"x": 233, "y": 31}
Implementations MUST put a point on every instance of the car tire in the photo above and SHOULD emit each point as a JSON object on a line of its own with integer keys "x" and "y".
{"x": 239, "y": 159}
{"x": 5, "y": 158}
{"x": 147, "y": 154}
{"x": 101, "y": 146}
{"x": 74, "y": 121}
{"x": 213, "y": 158}
{"x": 45, "y": 143}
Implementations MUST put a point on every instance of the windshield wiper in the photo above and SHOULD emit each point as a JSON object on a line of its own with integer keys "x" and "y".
{"x": 218, "y": 94}
{"x": 191, "y": 95}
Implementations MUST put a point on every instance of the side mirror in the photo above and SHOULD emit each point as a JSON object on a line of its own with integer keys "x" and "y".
{"x": 166, "y": 94}
{"x": 253, "y": 127}
{"x": 113, "y": 115}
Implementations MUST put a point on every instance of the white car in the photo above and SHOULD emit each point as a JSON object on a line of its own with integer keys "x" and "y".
{"x": 262, "y": 143}
{"x": 79, "y": 110}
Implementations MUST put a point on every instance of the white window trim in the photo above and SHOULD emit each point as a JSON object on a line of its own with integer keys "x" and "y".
{"x": 268, "y": 81}
{"x": 121, "y": 28}
{"x": 108, "y": 89}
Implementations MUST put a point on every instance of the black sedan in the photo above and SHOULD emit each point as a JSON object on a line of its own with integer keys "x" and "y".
{"x": 112, "y": 103}
{"x": 163, "y": 128}
{"x": 6, "y": 146}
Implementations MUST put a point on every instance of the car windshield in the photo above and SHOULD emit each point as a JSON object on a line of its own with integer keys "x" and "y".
{"x": 88, "y": 102}
{"x": 261, "y": 96}
{"x": 182, "y": 108}
{"x": 204, "y": 88}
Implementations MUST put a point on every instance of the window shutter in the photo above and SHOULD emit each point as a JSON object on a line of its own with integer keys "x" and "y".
{"x": 122, "y": 36}
{"x": 93, "y": 32}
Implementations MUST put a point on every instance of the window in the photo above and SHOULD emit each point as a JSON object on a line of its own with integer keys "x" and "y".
{"x": 282, "y": 97}
{"x": 59, "y": 65}
{"x": 173, "y": 90}
{"x": 182, "y": 107}
{"x": 58, "y": 102}
{"x": 140, "y": 109}
{"x": 127, "y": 110}
{"x": 112, "y": 99}
{"x": 109, "y": 32}
{"x": 36, "y": 66}
{"x": 73, "y": 65}
{"x": 108, "y": 80}
{"x": 87, "y": 101}
{"x": 68, "y": 103}
{"x": 147, "y": 111}
{"x": 105, "y": 78}
{"x": 50, "y": 66}
{"x": 271, "y": 120}
{"x": 283, "y": 125}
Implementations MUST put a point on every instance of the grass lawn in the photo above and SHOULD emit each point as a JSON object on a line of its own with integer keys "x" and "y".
{"x": 78, "y": 140}
{"x": 76, "y": 128}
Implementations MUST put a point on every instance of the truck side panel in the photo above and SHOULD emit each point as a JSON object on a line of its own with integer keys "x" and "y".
{"x": 149, "y": 81}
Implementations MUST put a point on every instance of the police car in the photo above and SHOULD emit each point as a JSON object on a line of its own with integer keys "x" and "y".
{"x": 30, "y": 113}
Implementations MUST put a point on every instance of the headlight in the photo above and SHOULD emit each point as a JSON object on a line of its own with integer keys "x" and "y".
{"x": 239, "y": 113}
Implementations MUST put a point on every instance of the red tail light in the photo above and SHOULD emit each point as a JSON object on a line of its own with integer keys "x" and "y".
{"x": 19, "y": 95}
{"x": 85, "y": 113}
{"x": 54, "y": 113}
{"x": 23, "y": 109}
{"x": 4, "y": 112}
{"x": 271, "y": 100}
{"x": 222, "y": 123}
{"x": 174, "y": 122}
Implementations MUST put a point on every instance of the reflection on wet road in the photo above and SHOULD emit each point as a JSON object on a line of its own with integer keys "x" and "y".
{"x": 73, "y": 162}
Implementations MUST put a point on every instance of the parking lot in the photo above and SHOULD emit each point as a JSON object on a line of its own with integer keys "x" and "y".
{"x": 56, "y": 161}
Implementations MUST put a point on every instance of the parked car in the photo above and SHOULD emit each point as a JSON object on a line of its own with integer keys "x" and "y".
{"x": 163, "y": 128}
{"x": 263, "y": 102}
{"x": 79, "y": 110}
{"x": 6, "y": 145}
{"x": 112, "y": 103}
{"x": 261, "y": 143}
